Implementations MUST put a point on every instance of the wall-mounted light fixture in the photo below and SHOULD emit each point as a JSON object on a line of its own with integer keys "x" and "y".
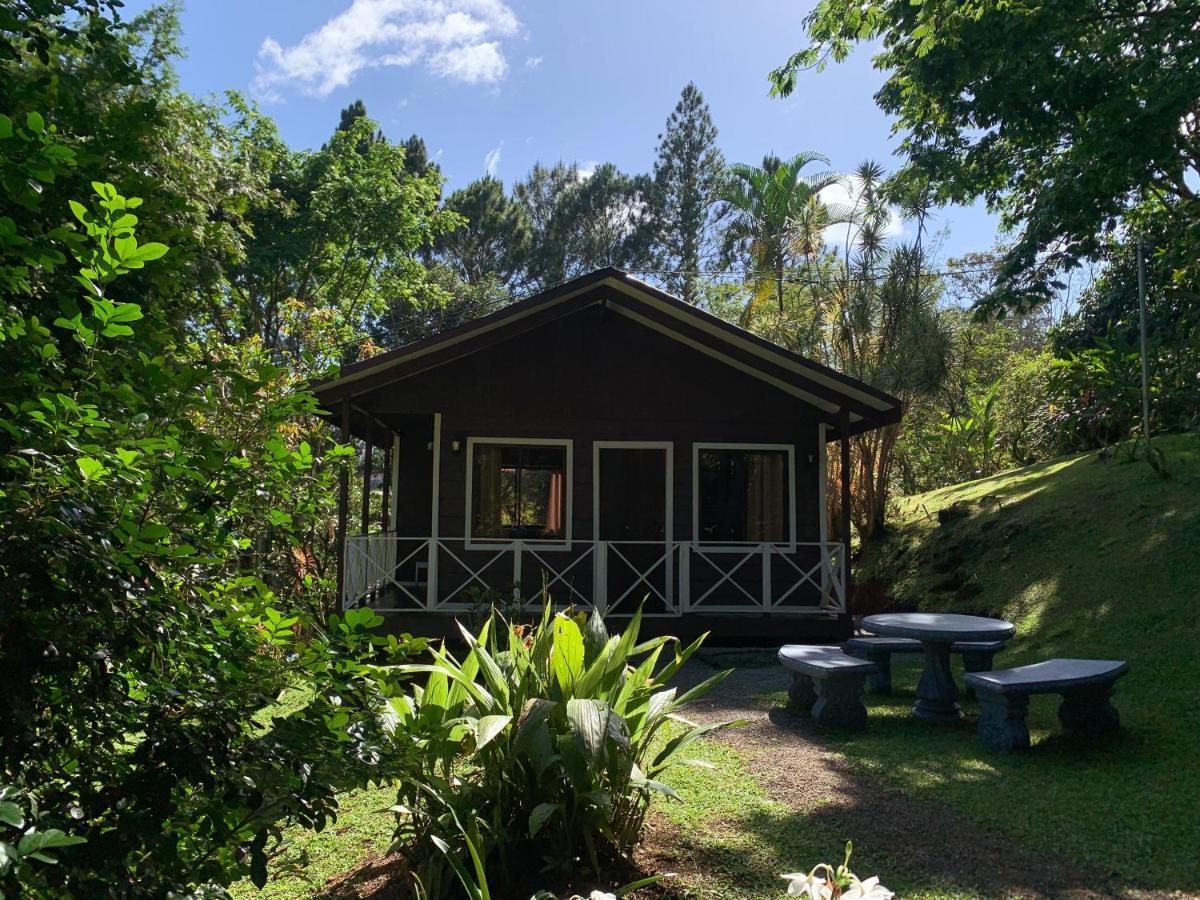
{"x": 456, "y": 446}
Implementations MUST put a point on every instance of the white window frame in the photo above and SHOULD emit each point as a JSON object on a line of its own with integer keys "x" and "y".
{"x": 668, "y": 448}
{"x": 472, "y": 543}
{"x": 717, "y": 546}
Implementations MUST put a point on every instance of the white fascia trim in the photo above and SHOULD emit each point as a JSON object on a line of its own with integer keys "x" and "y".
{"x": 457, "y": 339}
{"x": 813, "y": 400}
{"x": 501, "y": 543}
{"x": 751, "y": 347}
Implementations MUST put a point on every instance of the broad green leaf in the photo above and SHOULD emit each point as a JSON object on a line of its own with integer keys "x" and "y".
{"x": 35, "y": 123}
{"x": 566, "y": 654}
{"x": 6, "y": 127}
{"x": 488, "y": 728}
{"x": 91, "y": 468}
{"x": 12, "y": 814}
{"x": 589, "y": 723}
{"x": 541, "y": 815}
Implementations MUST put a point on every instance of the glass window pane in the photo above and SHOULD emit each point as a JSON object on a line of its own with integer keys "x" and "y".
{"x": 743, "y": 495}
{"x": 518, "y": 492}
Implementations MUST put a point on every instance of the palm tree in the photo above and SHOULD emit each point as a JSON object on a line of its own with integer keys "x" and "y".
{"x": 776, "y": 216}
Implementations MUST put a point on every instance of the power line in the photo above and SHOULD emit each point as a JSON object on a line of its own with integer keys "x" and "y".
{"x": 433, "y": 320}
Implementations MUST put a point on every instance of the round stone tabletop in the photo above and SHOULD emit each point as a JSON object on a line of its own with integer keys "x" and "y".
{"x": 940, "y": 627}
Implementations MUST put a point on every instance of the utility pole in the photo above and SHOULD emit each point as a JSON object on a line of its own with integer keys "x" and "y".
{"x": 1141, "y": 271}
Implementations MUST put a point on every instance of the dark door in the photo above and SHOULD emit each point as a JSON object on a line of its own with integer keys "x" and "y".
{"x": 632, "y": 499}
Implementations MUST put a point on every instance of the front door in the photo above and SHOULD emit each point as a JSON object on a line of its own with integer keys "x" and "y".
{"x": 633, "y": 519}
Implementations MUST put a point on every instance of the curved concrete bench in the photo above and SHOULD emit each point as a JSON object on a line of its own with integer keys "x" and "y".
{"x": 828, "y": 683}
{"x": 977, "y": 655}
{"x": 1084, "y": 684}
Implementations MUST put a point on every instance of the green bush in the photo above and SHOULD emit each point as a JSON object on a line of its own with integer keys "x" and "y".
{"x": 139, "y": 656}
{"x": 543, "y": 741}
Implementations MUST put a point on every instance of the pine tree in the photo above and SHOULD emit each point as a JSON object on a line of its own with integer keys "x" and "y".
{"x": 687, "y": 182}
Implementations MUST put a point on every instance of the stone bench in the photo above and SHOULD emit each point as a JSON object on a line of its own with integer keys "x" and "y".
{"x": 1084, "y": 684}
{"x": 977, "y": 655}
{"x": 827, "y": 683}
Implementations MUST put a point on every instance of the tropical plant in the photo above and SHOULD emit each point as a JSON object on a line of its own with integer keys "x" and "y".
{"x": 776, "y": 217}
{"x": 139, "y": 655}
{"x": 1089, "y": 106}
{"x": 884, "y": 327}
{"x": 970, "y": 437}
{"x": 543, "y": 741}
{"x": 824, "y": 882}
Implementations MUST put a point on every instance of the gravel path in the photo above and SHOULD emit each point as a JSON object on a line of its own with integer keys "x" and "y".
{"x": 794, "y": 767}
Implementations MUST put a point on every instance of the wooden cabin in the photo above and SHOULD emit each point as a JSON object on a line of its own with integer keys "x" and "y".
{"x": 612, "y": 446}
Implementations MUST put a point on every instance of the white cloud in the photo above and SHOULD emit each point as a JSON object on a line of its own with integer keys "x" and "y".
{"x": 532, "y": 62}
{"x": 492, "y": 160}
{"x": 585, "y": 170}
{"x": 846, "y": 194}
{"x": 454, "y": 39}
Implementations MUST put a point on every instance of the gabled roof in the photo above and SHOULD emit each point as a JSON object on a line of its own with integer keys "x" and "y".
{"x": 818, "y": 385}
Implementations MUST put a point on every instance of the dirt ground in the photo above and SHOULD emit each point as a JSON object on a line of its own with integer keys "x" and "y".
{"x": 793, "y": 766}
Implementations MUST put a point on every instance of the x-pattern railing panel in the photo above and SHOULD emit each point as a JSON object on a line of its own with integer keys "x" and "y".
{"x": 643, "y": 577}
{"x": 749, "y": 554}
{"x": 373, "y": 563}
{"x": 473, "y": 575}
{"x": 384, "y": 571}
{"x": 560, "y": 575}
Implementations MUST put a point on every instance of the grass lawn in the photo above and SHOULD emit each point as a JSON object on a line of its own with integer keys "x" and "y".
{"x": 1089, "y": 557}
{"x": 743, "y": 840}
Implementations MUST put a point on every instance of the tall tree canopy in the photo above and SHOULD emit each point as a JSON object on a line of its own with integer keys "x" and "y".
{"x": 688, "y": 174}
{"x": 1061, "y": 113}
{"x": 776, "y": 217}
{"x": 496, "y": 238}
{"x": 583, "y": 220}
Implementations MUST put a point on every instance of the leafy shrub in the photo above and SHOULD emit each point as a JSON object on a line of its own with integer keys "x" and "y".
{"x": 541, "y": 742}
{"x": 140, "y": 658}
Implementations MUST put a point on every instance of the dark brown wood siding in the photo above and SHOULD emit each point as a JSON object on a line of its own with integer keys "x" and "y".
{"x": 594, "y": 376}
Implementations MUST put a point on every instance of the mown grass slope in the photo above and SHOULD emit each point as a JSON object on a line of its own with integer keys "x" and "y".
{"x": 1090, "y": 556}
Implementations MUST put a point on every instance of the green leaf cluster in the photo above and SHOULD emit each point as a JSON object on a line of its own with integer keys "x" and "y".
{"x": 541, "y": 742}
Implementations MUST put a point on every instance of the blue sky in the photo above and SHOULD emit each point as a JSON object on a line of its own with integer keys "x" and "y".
{"x": 508, "y": 82}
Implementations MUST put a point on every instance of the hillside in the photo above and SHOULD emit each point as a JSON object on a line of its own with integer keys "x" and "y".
{"x": 1090, "y": 556}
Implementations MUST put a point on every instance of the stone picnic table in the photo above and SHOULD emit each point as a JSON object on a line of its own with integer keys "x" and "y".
{"x": 937, "y": 695}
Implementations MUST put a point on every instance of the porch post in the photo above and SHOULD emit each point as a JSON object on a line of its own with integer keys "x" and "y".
{"x": 844, "y": 428}
{"x": 368, "y": 458}
{"x": 431, "y": 573}
{"x": 343, "y": 510}
{"x": 385, "y": 505}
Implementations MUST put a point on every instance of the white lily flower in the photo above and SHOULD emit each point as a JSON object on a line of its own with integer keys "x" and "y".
{"x": 807, "y": 884}
{"x": 600, "y": 895}
{"x": 870, "y": 889}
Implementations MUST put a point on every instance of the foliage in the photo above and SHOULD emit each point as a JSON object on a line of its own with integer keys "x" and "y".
{"x": 543, "y": 742}
{"x": 1099, "y": 343}
{"x": 688, "y": 175}
{"x": 584, "y": 220}
{"x": 136, "y": 652}
{"x": 496, "y": 240}
{"x": 334, "y": 240}
{"x": 1060, "y": 113}
{"x": 24, "y": 847}
{"x": 824, "y": 882}
{"x": 775, "y": 217}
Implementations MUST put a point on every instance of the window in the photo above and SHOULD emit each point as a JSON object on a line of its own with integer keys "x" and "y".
{"x": 518, "y": 491}
{"x": 743, "y": 494}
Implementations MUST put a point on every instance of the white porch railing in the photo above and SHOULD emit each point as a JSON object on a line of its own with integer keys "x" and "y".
{"x": 392, "y": 573}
